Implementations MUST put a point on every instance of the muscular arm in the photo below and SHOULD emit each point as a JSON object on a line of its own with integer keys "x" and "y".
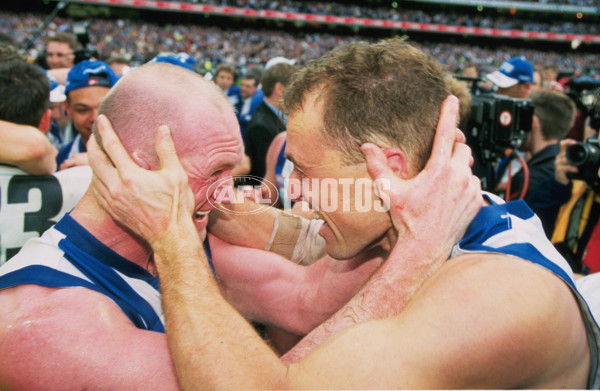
{"x": 479, "y": 322}
{"x": 270, "y": 289}
{"x": 27, "y": 148}
{"x": 74, "y": 338}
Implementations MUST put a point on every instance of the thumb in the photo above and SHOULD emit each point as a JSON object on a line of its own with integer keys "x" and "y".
{"x": 376, "y": 161}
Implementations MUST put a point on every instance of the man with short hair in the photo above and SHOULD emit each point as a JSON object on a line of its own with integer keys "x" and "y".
{"x": 225, "y": 79}
{"x": 94, "y": 311}
{"x": 514, "y": 78}
{"x": 478, "y": 320}
{"x": 60, "y": 50}
{"x": 248, "y": 89}
{"x": 268, "y": 121}
{"x": 24, "y": 93}
{"x": 29, "y": 204}
{"x": 553, "y": 116}
{"x": 87, "y": 83}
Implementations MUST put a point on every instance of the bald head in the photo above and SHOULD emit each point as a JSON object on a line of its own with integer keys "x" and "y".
{"x": 163, "y": 94}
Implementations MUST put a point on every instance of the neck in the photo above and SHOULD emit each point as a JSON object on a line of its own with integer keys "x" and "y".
{"x": 541, "y": 144}
{"x": 274, "y": 100}
{"x": 98, "y": 222}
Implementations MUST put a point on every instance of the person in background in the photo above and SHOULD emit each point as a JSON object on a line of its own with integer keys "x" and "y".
{"x": 514, "y": 78}
{"x": 25, "y": 116}
{"x": 225, "y": 79}
{"x": 248, "y": 89}
{"x": 87, "y": 83}
{"x": 60, "y": 50}
{"x": 268, "y": 120}
{"x": 553, "y": 115}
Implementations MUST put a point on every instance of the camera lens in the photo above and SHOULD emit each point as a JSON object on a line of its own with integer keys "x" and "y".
{"x": 577, "y": 154}
{"x": 582, "y": 154}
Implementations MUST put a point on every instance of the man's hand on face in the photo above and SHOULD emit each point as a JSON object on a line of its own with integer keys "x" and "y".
{"x": 150, "y": 203}
{"x": 432, "y": 210}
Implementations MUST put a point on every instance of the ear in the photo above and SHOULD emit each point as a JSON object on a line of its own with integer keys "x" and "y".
{"x": 279, "y": 88}
{"x": 45, "y": 122}
{"x": 140, "y": 159}
{"x": 535, "y": 124}
{"x": 396, "y": 160}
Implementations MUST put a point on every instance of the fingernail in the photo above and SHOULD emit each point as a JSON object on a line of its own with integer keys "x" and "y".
{"x": 101, "y": 120}
{"x": 366, "y": 149}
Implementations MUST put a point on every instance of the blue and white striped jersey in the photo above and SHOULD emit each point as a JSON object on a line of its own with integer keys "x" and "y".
{"x": 513, "y": 229}
{"x": 67, "y": 255}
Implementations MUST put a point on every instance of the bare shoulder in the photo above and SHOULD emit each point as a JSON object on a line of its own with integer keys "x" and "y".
{"x": 511, "y": 319}
{"x": 61, "y": 338}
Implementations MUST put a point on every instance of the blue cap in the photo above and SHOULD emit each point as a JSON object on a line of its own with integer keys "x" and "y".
{"x": 90, "y": 73}
{"x": 182, "y": 59}
{"x": 511, "y": 72}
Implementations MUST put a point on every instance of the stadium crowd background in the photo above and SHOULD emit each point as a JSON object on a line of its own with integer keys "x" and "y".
{"x": 213, "y": 42}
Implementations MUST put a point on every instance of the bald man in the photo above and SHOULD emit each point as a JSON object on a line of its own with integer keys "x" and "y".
{"x": 81, "y": 307}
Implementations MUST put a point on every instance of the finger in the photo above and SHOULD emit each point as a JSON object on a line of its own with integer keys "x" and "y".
{"x": 66, "y": 164}
{"x": 462, "y": 156}
{"x": 445, "y": 133}
{"x": 377, "y": 165}
{"x": 112, "y": 145}
{"x": 165, "y": 149}
{"x": 564, "y": 144}
{"x": 460, "y": 137}
{"x": 101, "y": 165}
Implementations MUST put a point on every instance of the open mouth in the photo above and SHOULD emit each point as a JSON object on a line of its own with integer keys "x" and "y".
{"x": 319, "y": 216}
{"x": 200, "y": 216}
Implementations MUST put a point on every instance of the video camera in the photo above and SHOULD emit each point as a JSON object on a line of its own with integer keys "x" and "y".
{"x": 581, "y": 89}
{"x": 87, "y": 51}
{"x": 497, "y": 123}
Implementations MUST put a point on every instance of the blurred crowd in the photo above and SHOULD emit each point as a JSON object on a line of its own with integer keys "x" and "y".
{"x": 346, "y": 9}
{"x": 139, "y": 41}
{"x": 403, "y": 14}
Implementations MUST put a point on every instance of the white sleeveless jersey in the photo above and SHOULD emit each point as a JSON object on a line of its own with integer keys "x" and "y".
{"x": 29, "y": 204}
{"x": 67, "y": 256}
{"x": 513, "y": 229}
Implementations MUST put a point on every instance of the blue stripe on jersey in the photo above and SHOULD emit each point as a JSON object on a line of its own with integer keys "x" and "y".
{"x": 80, "y": 238}
{"x": 100, "y": 265}
{"x": 52, "y": 278}
{"x": 495, "y": 220}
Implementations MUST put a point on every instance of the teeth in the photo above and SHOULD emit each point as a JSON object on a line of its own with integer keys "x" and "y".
{"x": 201, "y": 213}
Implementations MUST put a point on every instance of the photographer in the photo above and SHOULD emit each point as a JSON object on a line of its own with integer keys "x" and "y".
{"x": 553, "y": 116}
{"x": 577, "y": 232}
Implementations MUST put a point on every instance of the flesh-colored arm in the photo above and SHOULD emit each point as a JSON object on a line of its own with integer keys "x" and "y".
{"x": 270, "y": 289}
{"x": 27, "y": 148}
